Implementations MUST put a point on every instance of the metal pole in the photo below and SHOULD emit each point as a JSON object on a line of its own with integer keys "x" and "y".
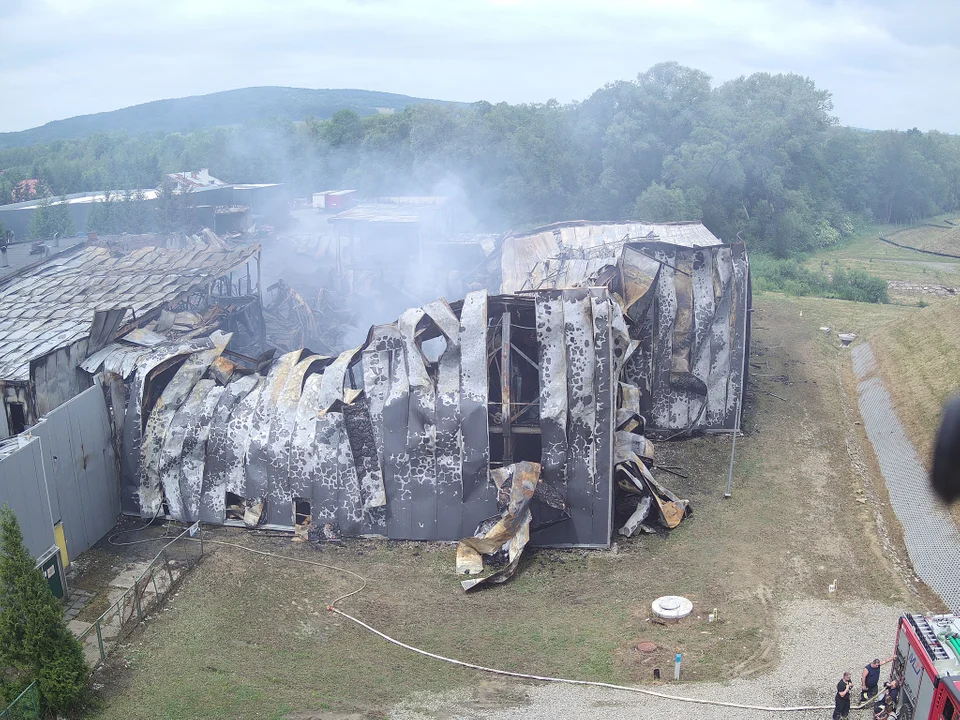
{"x": 506, "y": 368}
{"x": 743, "y": 386}
{"x": 733, "y": 452}
{"x": 103, "y": 655}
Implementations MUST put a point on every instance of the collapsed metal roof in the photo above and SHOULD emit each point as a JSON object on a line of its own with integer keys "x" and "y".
{"x": 52, "y": 305}
{"x": 521, "y": 402}
{"x": 509, "y": 418}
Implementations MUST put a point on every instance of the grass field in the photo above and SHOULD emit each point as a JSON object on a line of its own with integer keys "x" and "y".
{"x": 869, "y": 253}
{"x": 249, "y": 637}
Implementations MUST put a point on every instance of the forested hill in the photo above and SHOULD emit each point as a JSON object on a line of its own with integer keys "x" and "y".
{"x": 759, "y": 157}
{"x": 231, "y": 107}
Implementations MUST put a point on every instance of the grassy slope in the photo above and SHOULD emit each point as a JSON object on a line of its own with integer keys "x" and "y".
{"x": 248, "y": 637}
{"x": 919, "y": 358}
{"x": 231, "y": 107}
{"x": 892, "y": 263}
{"x": 937, "y": 239}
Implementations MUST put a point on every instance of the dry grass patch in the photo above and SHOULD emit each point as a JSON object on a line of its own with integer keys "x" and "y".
{"x": 919, "y": 359}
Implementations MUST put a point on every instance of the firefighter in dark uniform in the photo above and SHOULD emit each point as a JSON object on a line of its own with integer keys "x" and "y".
{"x": 841, "y": 703}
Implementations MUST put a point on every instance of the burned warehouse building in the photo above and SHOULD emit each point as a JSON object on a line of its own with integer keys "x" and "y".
{"x": 521, "y": 412}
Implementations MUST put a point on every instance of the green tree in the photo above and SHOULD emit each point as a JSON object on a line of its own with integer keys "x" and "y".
{"x": 51, "y": 219}
{"x": 35, "y": 643}
{"x": 659, "y": 203}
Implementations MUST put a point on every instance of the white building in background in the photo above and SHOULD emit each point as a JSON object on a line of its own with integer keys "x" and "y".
{"x": 195, "y": 179}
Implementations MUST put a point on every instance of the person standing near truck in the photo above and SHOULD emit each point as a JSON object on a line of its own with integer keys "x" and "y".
{"x": 870, "y": 679}
{"x": 841, "y": 703}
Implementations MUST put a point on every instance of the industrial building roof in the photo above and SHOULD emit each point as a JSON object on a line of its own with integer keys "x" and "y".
{"x": 52, "y": 305}
{"x": 73, "y": 199}
{"x": 382, "y": 213}
{"x": 587, "y": 247}
{"x": 22, "y": 255}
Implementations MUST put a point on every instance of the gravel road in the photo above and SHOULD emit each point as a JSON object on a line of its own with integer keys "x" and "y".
{"x": 819, "y": 640}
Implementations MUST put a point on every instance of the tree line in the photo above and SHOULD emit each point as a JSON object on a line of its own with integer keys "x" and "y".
{"x": 759, "y": 157}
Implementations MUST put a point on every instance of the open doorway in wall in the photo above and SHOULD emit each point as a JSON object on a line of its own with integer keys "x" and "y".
{"x": 236, "y": 506}
{"x": 514, "y": 382}
{"x": 18, "y": 417}
{"x": 301, "y": 517}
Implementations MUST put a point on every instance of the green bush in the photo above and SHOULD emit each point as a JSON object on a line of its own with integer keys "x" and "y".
{"x": 35, "y": 642}
{"x": 791, "y": 278}
{"x": 858, "y": 285}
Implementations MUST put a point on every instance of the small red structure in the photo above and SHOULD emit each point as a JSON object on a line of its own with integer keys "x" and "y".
{"x": 335, "y": 200}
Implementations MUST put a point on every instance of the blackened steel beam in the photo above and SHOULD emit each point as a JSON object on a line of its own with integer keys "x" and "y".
{"x": 506, "y": 368}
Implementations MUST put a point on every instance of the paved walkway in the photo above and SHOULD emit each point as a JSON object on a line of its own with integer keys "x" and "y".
{"x": 929, "y": 532}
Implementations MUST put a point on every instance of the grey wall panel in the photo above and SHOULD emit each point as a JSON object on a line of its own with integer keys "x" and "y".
{"x": 81, "y": 469}
{"x": 23, "y": 490}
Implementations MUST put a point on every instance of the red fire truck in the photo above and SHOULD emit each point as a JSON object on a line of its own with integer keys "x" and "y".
{"x": 927, "y": 666}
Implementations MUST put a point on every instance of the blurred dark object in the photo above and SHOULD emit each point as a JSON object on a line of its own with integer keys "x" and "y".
{"x": 945, "y": 475}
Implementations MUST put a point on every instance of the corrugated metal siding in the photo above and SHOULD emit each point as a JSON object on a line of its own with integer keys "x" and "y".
{"x": 685, "y": 293}
{"x": 408, "y": 457}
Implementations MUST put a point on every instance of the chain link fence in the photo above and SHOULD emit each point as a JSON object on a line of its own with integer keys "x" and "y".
{"x": 26, "y": 706}
{"x": 148, "y": 589}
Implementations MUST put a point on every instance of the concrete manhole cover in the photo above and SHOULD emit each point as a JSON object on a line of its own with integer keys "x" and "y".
{"x": 646, "y": 646}
{"x": 672, "y": 607}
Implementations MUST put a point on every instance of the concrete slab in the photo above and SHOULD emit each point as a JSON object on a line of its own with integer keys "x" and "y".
{"x": 129, "y": 575}
{"x": 78, "y": 627}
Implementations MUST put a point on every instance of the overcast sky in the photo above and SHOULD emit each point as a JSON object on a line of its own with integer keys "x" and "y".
{"x": 888, "y": 63}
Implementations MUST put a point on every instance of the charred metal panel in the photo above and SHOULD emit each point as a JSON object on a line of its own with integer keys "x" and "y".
{"x": 104, "y": 327}
{"x": 259, "y": 453}
{"x": 664, "y": 399}
{"x": 551, "y": 338}
{"x": 237, "y": 447}
{"x": 421, "y": 431}
{"x": 377, "y": 356}
{"x": 173, "y": 454}
{"x": 159, "y": 451}
{"x": 396, "y": 465}
{"x": 605, "y": 392}
{"x": 449, "y": 472}
{"x": 195, "y": 453}
{"x": 720, "y": 340}
{"x": 478, "y": 494}
{"x": 581, "y": 399}
{"x": 740, "y": 333}
{"x": 218, "y": 449}
{"x": 304, "y": 462}
{"x": 363, "y": 445}
{"x": 280, "y": 495}
{"x": 338, "y": 470}
{"x": 54, "y": 376}
{"x": 134, "y": 420}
